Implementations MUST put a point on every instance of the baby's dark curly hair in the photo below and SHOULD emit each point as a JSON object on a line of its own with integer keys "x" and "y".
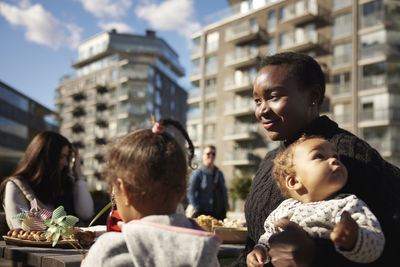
{"x": 148, "y": 161}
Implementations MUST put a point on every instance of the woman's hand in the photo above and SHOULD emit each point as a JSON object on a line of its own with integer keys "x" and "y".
{"x": 345, "y": 232}
{"x": 76, "y": 161}
{"x": 292, "y": 246}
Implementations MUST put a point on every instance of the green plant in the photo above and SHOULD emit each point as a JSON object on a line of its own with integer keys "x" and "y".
{"x": 240, "y": 187}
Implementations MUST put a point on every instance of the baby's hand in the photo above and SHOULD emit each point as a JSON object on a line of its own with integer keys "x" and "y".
{"x": 257, "y": 257}
{"x": 345, "y": 232}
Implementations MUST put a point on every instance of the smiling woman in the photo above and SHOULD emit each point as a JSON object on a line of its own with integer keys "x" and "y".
{"x": 288, "y": 91}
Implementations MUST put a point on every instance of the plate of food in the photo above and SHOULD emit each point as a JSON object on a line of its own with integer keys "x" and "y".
{"x": 232, "y": 231}
{"x": 78, "y": 239}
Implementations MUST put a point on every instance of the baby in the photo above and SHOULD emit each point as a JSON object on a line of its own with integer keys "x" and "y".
{"x": 310, "y": 173}
{"x": 148, "y": 171}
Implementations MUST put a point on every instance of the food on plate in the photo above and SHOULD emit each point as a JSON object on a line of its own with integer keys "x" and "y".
{"x": 207, "y": 222}
{"x": 85, "y": 238}
{"x": 210, "y": 223}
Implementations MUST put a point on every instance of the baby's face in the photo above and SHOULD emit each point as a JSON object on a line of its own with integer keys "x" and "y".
{"x": 319, "y": 169}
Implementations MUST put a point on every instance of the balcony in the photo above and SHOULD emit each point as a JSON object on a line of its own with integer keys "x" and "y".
{"x": 211, "y": 91}
{"x": 373, "y": 82}
{"x": 305, "y": 41}
{"x": 379, "y": 116}
{"x": 240, "y": 107}
{"x": 238, "y": 83}
{"x": 242, "y": 56}
{"x": 373, "y": 51}
{"x": 303, "y": 12}
{"x": 195, "y": 51}
{"x": 386, "y": 147}
{"x": 343, "y": 119}
{"x": 372, "y": 19}
{"x": 194, "y": 95}
{"x": 341, "y": 89}
{"x": 239, "y": 157}
{"x": 193, "y": 115}
{"x": 241, "y": 32}
{"x": 240, "y": 132}
{"x": 195, "y": 73}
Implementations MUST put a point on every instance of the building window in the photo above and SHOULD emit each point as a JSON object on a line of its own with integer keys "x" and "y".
{"x": 212, "y": 40}
{"x": 209, "y": 132}
{"x": 211, "y": 86}
{"x": 271, "y": 21}
{"x": 342, "y": 113}
{"x": 196, "y": 46}
{"x": 341, "y": 26}
{"x": 14, "y": 99}
{"x": 373, "y": 76}
{"x": 196, "y": 68}
{"x": 341, "y": 83}
{"x": 282, "y": 12}
{"x": 158, "y": 98}
{"x": 210, "y": 109}
{"x": 338, "y": 4}
{"x": 371, "y": 14}
{"x": 373, "y": 44}
{"x": 158, "y": 81}
{"x": 211, "y": 64}
{"x": 271, "y": 46}
{"x": 13, "y": 128}
{"x": 342, "y": 54}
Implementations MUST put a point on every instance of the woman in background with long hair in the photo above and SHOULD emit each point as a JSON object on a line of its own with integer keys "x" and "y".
{"x": 44, "y": 174}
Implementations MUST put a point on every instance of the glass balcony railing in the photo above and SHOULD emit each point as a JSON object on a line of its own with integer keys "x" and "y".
{"x": 245, "y": 80}
{"x": 373, "y": 82}
{"x": 196, "y": 70}
{"x": 241, "y": 54}
{"x": 240, "y": 129}
{"x": 341, "y": 60}
{"x": 372, "y": 51}
{"x": 240, "y": 30}
{"x": 239, "y": 156}
{"x": 384, "y": 145}
{"x": 211, "y": 90}
{"x": 195, "y": 50}
{"x": 343, "y": 118}
{"x": 391, "y": 114}
{"x": 342, "y": 88}
{"x": 240, "y": 105}
{"x": 194, "y": 114}
{"x": 373, "y": 19}
{"x": 194, "y": 93}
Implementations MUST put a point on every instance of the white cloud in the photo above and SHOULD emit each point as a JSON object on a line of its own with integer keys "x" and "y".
{"x": 170, "y": 15}
{"x": 119, "y": 26}
{"x": 111, "y": 8}
{"x": 40, "y": 26}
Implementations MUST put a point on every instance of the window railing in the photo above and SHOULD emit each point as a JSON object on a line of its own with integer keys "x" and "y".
{"x": 241, "y": 29}
{"x": 372, "y": 51}
{"x": 241, "y": 54}
{"x": 373, "y": 81}
{"x": 241, "y": 128}
{"x": 193, "y": 114}
{"x": 341, "y": 88}
{"x": 371, "y": 20}
{"x": 380, "y": 114}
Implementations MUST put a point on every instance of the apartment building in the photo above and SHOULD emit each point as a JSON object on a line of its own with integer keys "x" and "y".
{"x": 355, "y": 41}
{"x": 21, "y": 119}
{"x": 122, "y": 81}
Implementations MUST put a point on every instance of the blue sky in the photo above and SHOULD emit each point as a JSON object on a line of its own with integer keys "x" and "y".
{"x": 39, "y": 38}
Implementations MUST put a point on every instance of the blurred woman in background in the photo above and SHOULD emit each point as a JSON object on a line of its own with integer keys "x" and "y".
{"x": 44, "y": 174}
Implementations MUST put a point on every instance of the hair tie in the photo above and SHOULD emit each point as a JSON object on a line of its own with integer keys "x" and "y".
{"x": 158, "y": 128}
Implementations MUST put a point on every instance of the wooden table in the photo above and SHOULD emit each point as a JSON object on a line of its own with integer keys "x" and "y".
{"x": 57, "y": 257}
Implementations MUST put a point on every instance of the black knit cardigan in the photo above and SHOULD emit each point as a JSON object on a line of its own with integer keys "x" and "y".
{"x": 370, "y": 177}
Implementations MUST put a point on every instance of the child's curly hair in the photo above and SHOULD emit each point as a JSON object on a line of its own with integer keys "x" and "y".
{"x": 284, "y": 166}
{"x": 148, "y": 161}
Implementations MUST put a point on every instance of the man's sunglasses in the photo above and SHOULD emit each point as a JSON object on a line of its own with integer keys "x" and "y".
{"x": 210, "y": 153}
